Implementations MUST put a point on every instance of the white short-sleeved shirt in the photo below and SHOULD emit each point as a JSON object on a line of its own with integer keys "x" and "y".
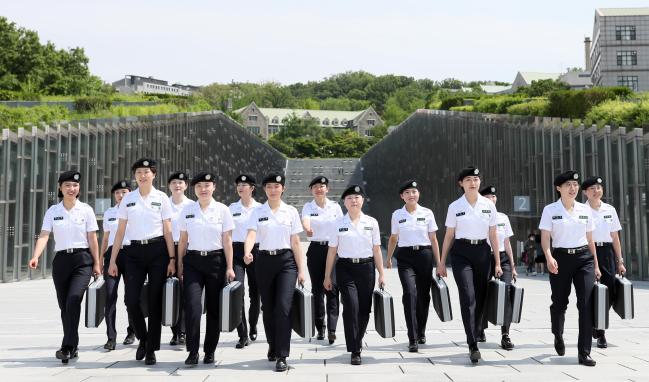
{"x": 568, "y": 230}
{"x": 175, "y": 215}
{"x": 503, "y": 229}
{"x": 241, "y": 215}
{"x": 274, "y": 230}
{"x": 111, "y": 222}
{"x": 472, "y": 222}
{"x": 70, "y": 228}
{"x": 205, "y": 228}
{"x": 144, "y": 215}
{"x": 413, "y": 229}
{"x": 321, "y": 218}
{"x": 606, "y": 221}
{"x": 355, "y": 241}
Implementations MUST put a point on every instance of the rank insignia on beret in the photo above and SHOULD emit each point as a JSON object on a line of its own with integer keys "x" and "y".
{"x": 414, "y": 184}
{"x": 278, "y": 178}
{"x": 476, "y": 171}
{"x": 493, "y": 189}
{"x": 599, "y": 180}
{"x": 208, "y": 177}
{"x": 145, "y": 163}
{"x": 575, "y": 176}
{"x": 323, "y": 180}
{"x": 123, "y": 184}
{"x": 76, "y": 176}
{"x": 243, "y": 177}
{"x": 357, "y": 189}
{"x": 181, "y": 176}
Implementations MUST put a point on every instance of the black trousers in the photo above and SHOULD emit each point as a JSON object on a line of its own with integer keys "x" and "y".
{"x": 71, "y": 274}
{"x": 180, "y": 324}
{"x": 112, "y": 285}
{"x": 416, "y": 275}
{"x": 203, "y": 272}
{"x": 356, "y": 285}
{"x": 471, "y": 267}
{"x": 276, "y": 277}
{"x": 142, "y": 262}
{"x": 316, "y": 261}
{"x": 506, "y": 277}
{"x": 240, "y": 270}
{"x": 577, "y": 269}
{"x": 606, "y": 260}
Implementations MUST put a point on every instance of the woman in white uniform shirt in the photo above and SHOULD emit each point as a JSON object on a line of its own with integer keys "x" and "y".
{"x": 279, "y": 264}
{"x": 571, "y": 260}
{"x": 317, "y": 215}
{"x": 470, "y": 221}
{"x": 206, "y": 262}
{"x": 74, "y": 226}
{"x": 504, "y": 230}
{"x": 145, "y": 218}
{"x": 607, "y": 240}
{"x": 241, "y": 211}
{"x": 413, "y": 237}
{"x": 355, "y": 239}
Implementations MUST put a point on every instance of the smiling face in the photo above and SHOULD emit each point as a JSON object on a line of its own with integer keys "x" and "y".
{"x": 319, "y": 190}
{"x": 177, "y": 186}
{"x": 594, "y": 192}
{"x": 568, "y": 189}
{"x": 470, "y": 184}
{"x": 204, "y": 190}
{"x": 410, "y": 196}
{"x": 273, "y": 191}
{"x": 353, "y": 203}
{"x": 144, "y": 176}
{"x": 69, "y": 189}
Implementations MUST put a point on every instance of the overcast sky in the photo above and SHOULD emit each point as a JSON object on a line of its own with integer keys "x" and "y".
{"x": 204, "y": 41}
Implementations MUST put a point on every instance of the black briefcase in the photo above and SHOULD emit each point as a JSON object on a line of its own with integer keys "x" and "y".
{"x": 516, "y": 294}
{"x": 441, "y": 299}
{"x": 144, "y": 299}
{"x": 170, "y": 301}
{"x": 383, "y": 313}
{"x": 95, "y": 303}
{"x": 601, "y": 306}
{"x": 231, "y": 306}
{"x": 303, "y": 312}
{"x": 496, "y": 301}
{"x": 623, "y": 302}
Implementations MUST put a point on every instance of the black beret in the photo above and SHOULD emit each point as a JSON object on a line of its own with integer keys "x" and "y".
{"x": 69, "y": 176}
{"x": 566, "y": 176}
{"x": 274, "y": 178}
{"x": 203, "y": 177}
{"x": 468, "y": 171}
{"x": 408, "y": 184}
{"x": 319, "y": 180}
{"x": 489, "y": 190}
{"x": 144, "y": 163}
{"x": 180, "y": 175}
{"x": 354, "y": 189}
{"x": 245, "y": 178}
{"x": 121, "y": 185}
{"x": 593, "y": 180}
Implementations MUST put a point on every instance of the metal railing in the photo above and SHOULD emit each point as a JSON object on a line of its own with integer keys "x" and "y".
{"x": 521, "y": 157}
{"x": 103, "y": 151}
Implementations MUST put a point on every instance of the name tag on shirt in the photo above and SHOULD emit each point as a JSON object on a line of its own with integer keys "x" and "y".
{"x": 314, "y": 215}
{"x": 608, "y": 216}
{"x": 189, "y": 216}
{"x": 557, "y": 217}
{"x": 421, "y": 219}
{"x": 58, "y": 218}
{"x": 345, "y": 229}
{"x": 486, "y": 211}
{"x": 236, "y": 214}
{"x": 402, "y": 221}
{"x": 112, "y": 219}
{"x": 460, "y": 214}
{"x": 501, "y": 225}
{"x": 368, "y": 228}
{"x": 583, "y": 217}
{"x": 263, "y": 219}
{"x": 132, "y": 204}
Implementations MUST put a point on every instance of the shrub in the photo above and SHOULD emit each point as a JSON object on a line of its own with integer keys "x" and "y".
{"x": 462, "y": 108}
{"x": 577, "y": 103}
{"x": 450, "y": 102}
{"x": 497, "y": 104}
{"x": 620, "y": 113}
{"x": 536, "y": 107}
{"x": 14, "y": 117}
{"x": 92, "y": 104}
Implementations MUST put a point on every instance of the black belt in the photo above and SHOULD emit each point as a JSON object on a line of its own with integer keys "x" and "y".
{"x": 572, "y": 251}
{"x": 472, "y": 241}
{"x": 176, "y": 243}
{"x": 71, "y": 251}
{"x": 418, "y": 247}
{"x": 217, "y": 252}
{"x": 147, "y": 241}
{"x": 274, "y": 252}
{"x": 603, "y": 244}
{"x": 356, "y": 260}
{"x": 320, "y": 242}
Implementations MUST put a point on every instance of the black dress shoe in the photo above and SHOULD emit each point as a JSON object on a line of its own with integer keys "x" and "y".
{"x": 422, "y": 340}
{"x": 192, "y": 359}
{"x": 174, "y": 340}
{"x": 74, "y": 352}
{"x": 584, "y": 359}
{"x": 559, "y": 345}
{"x": 63, "y": 353}
{"x": 130, "y": 338}
{"x": 331, "y": 337}
{"x": 182, "y": 339}
{"x": 271, "y": 355}
{"x": 595, "y": 334}
{"x": 110, "y": 345}
{"x": 506, "y": 342}
{"x": 474, "y": 354}
{"x": 253, "y": 334}
{"x": 149, "y": 359}
{"x": 141, "y": 351}
{"x": 356, "y": 358}
{"x": 412, "y": 347}
{"x": 209, "y": 358}
{"x": 482, "y": 337}
{"x": 243, "y": 342}
{"x": 281, "y": 365}
{"x": 320, "y": 336}
{"x": 601, "y": 342}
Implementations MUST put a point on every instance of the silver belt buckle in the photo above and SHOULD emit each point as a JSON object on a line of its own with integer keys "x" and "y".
{"x": 203, "y": 253}
{"x": 144, "y": 242}
{"x": 415, "y": 247}
{"x": 69, "y": 250}
{"x": 571, "y": 251}
{"x": 474, "y": 242}
{"x": 356, "y": 260}
{"x": 599, "y": 244}
{"x": 273, "y": 252}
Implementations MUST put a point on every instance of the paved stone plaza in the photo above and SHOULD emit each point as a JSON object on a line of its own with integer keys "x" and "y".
{"x": 31, "y": 333}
